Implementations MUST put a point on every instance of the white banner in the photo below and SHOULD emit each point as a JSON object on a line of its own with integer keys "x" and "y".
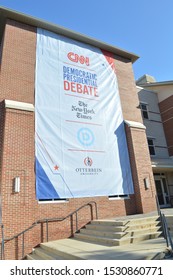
{"x": 81, "y": 148}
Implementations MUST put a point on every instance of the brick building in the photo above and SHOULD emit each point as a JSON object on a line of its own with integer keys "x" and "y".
{"x": 19, "y": 206}
{"x": 156, "y": 105}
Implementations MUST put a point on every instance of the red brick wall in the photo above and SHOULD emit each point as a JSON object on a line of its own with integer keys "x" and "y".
{"x": 166, "y": 111}
{"x": 141, "y": 169}
{"x": 18, "y": 62}
{"x": 21, "y": 210}
{"x": 136, "y": 138}
{"x": 127, "y": 90}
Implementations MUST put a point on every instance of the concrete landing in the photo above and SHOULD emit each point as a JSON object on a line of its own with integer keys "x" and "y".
{"x": 149, "y": 249}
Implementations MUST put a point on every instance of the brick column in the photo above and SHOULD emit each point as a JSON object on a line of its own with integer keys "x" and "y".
{"x": 142, "y": 174}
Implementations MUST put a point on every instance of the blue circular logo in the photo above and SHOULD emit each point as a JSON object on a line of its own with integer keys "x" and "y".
{"x": 85, "y": 136}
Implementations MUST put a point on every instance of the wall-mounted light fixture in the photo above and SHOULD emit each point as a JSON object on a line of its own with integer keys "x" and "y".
{"x": 17, "y": 184}
{"x": 146, "y": 183}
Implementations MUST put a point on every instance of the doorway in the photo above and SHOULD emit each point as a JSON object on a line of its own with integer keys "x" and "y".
{"x": 162, "y": 191}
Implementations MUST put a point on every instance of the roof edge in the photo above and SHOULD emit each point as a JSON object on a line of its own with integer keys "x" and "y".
{"x": 11, "y": 14}
{"x": 164, "y": 83}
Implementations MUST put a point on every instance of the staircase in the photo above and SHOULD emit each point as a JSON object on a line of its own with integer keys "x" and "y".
{"x": 122, "y": 232}
{"x": 101, "y": 235}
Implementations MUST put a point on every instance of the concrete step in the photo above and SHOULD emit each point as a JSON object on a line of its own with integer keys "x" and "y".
{"x": 127, "y": 222}
{"x": 139, "y": 238}
{"x": 108, "y": 223}
{"x": 32, "y": 257}
{"x": 97, "y": 239}
{"x": 100, "y": 227}
{"x": 91, "y": 251}
{"x": 114, "y": 241}
{"x": 115, "y": 228}
{"x": 146, "y": 220}
{"x": 102, "y": 233}
{"x": 143, "y": 226}
{"x": 60, "y": 250}
{"x": 42, "y": 254}
{"x": 47, "y": 251}
{"x": 118, "y": 235}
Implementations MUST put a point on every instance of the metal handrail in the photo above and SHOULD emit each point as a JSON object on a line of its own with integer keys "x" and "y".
{"x": 2, "y": 243}
{"x": 71, "y": 214}
{"x": 46, "y": 220}
{"x": 158, "y": 206}
{"x": 165, "y": 228}
{"x": 169, "y": 239}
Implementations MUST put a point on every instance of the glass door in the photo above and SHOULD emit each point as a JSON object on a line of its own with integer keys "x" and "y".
{"x": 162, "y": 192}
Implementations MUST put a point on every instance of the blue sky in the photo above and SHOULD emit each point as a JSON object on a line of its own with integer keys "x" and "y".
{"x": 142, "y": 27}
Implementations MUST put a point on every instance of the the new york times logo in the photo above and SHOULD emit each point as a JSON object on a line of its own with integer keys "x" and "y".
{"x": 88, "y": 170}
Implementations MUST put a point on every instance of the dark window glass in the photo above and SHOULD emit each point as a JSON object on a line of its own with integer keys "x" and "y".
{"x": 151, "y": 147}
{"x": 144, "y": 110}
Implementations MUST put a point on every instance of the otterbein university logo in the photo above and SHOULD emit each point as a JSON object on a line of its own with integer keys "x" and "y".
{"x": 88, "y": 161}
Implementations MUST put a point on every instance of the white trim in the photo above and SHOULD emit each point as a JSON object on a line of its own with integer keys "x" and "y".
{"x": 143, "y": 102}
{"x": 119, "y": 198}
{"x": 11, "y": 104}
{"x": 135, "y": 124}
{"x": 53, "y": 201}
{"x": 148, "y": 90}
{"x": 155, "y": 165}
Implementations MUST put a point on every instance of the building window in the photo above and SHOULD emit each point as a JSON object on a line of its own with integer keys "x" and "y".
{"x": 144, "y": 110}
{"x": 56, "y": 200}
{"x": 121, "y": 196}
{"x": 151, "y": 146}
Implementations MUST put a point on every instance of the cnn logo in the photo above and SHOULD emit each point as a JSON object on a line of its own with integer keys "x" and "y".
{"x": 78, "y": 58}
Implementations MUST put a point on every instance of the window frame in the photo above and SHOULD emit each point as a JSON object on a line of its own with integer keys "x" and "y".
{"x": 121, "y": 196}
{"x": 143, "y": 111}
{"x": 150, "y": 146}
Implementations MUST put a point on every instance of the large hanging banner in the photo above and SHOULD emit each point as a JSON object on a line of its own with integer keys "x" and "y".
{"x": 81, "y": 148}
